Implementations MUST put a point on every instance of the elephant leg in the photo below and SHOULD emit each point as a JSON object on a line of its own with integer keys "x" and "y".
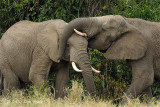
{"x": 11, "y": 81}
{"x": 142, "y": 77}
{"x": 39, "y": 70}
{"x": 62, "y": 76}
{"x": 5, "y": 83}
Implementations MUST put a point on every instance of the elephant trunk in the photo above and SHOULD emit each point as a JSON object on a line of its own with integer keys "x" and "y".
{"x": 88, "y": 76}
{"x": 82, "y": 59}
{"x": 80, "y": 24}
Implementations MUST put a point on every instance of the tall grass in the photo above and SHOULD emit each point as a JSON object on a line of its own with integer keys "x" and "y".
{"x": 75, "y": 98}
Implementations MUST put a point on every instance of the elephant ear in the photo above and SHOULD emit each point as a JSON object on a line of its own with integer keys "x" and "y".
{"x": 129, "y": 45}
{"x": 48, "y": 39}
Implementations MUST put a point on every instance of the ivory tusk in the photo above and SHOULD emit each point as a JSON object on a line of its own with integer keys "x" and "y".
{"x": 96, "y": 71}
{"x": 80, "y": 33}
{"x": 75, "y": 67}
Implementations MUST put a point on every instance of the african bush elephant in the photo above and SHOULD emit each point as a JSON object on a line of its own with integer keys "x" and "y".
{"x": 29, "y": 49}
{"x": 118, "y": 37}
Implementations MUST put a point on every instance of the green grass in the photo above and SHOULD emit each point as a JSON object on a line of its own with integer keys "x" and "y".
{"x": 75, "y": 98}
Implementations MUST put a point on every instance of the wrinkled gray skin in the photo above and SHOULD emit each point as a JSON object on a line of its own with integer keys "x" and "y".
{"x": 133, "y": 39}
{"x": 29, "y": 49}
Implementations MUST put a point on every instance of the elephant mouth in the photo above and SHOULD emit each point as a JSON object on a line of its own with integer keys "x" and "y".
{"x": 92, "y": 44}
{"x": 91, "y": 39}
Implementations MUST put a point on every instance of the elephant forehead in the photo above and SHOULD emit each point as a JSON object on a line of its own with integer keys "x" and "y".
{"x": 109, "y": 17}
{"x": 75, "y": 39}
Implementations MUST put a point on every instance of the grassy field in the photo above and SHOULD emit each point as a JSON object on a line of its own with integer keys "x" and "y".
{"x": 73, "y": 99}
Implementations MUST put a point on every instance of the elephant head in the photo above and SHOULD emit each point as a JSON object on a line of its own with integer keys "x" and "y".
{"x": 80, "y": 24}
{"x": 112, "y": 34}
{"x": 76, "y": 52}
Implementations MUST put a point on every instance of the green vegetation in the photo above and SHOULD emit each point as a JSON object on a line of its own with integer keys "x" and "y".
{"x": 116, "y": 76}
{"x": 75, "y": 98}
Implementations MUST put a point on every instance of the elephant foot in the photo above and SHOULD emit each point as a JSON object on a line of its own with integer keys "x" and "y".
{"x": 147, "y": 95}
{"x": 125, "y": 100}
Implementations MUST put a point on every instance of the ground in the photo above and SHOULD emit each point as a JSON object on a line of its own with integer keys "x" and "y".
{"x": 75, "y": 98}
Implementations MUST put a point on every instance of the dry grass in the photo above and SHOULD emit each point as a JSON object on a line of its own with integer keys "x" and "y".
{"x": 75, "y": 98}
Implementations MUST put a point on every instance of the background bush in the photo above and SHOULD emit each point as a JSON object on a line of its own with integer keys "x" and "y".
{"x": 116, "y": 76}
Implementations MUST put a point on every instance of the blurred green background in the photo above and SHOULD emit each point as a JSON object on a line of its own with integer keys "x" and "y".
{"x": 115, "y": 77}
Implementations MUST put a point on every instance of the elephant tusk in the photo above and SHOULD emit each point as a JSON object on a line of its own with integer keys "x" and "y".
{"x": 75, "y": 67}
{"x": 96, "y": 71}
{"x": 80, "y": 33}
